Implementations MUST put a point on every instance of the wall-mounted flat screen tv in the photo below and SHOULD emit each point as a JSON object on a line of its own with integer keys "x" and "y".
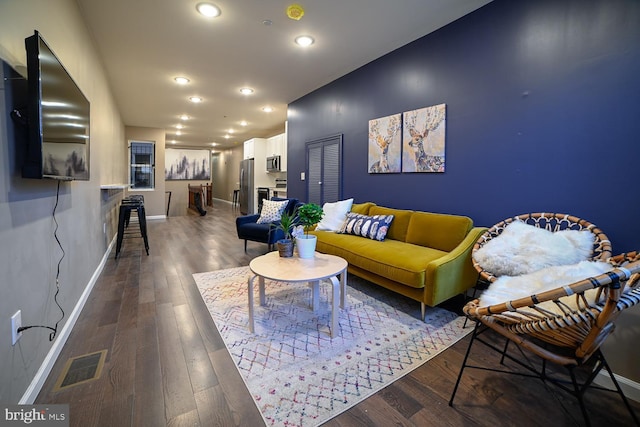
{"x": 57, "y": 118}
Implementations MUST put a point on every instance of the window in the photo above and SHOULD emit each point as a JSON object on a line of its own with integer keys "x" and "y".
{"x": 141, "y": 172}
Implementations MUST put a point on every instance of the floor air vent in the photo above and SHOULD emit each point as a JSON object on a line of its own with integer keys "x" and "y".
{"x": 81, "y": 369}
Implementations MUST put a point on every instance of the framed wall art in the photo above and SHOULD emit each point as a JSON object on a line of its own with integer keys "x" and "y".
{"x": 184, "y": 164}
{"x": 385, "y": 144}
{"x": 423, "y": 139}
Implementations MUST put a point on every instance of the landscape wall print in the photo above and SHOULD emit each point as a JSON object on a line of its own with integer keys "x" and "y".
{"x": 187, "y": 164}
{"x": 423, "y": 139}
{"x": 385, "y": 144}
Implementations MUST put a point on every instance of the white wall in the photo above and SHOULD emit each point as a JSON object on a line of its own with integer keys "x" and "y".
{"x": 29, "y": 253}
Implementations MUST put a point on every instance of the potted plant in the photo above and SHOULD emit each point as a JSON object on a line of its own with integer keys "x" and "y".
{"x": 287, "y": 223}
{"x": 309, "y": 215}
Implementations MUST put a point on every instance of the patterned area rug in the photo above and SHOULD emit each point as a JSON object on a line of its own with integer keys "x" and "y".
{"x": 297, "y": 374}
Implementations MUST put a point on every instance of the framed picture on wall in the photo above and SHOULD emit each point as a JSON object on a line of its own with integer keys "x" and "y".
{"x": 385, "y": 144}
{"x": 423, "y": 139}
{"x": 185, "y": 164}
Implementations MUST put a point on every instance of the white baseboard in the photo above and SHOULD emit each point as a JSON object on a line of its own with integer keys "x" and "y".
{"x": 630, "y": 388}
{"x": 34, "y": 388}
{"x": 149, "y": 218}
{"x": 223, "y": 201}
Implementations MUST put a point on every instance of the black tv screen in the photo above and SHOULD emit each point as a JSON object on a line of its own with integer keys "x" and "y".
{"x": 57, "y": 117}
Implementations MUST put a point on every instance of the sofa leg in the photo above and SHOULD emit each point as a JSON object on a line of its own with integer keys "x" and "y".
{"x": 423, "y": 310}
{"x": 245, "y": 245}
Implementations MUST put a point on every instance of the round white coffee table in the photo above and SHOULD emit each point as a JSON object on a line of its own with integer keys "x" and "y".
{"x": 313, "y": 270}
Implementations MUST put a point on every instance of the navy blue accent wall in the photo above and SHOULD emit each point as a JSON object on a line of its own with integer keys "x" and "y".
{"x": 543, "y": 115}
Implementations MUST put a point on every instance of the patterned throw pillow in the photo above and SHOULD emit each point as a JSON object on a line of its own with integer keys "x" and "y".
{"x": 271, "y": 211}
{"x": 374, "y": 227}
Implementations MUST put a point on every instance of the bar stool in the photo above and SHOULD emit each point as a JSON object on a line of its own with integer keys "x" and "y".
{"x": 129, "y": 204}
{"x": 236, "y": 193}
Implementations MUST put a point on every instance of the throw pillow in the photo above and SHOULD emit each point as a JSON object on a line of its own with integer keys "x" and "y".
{"x": 522, "y": 248}
{"x": 271, "y": 211}
{"x": 374, "y": 227}
{"x": 334, "y": 215}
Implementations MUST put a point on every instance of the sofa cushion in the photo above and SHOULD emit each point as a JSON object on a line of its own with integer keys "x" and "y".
{"x": 374, "y": 227}
{"x": 395, "y": 260}
{"x": 439, "y": 231}
{"x": 362, "y": 208}
{"x": 398, "y": 229}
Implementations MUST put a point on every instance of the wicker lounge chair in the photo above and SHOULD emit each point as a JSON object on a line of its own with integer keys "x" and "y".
{"x": 569, "y": 339}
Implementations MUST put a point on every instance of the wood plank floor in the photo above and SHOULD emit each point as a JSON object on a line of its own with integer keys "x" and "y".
{"x": 167, "y": 365}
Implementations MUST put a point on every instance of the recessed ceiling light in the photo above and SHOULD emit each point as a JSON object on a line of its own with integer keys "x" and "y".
{"x": 195, "y": 99}
{"x": 267, "y": 109}
{"x": 184, "y": 117}
{"x": 181, "y": 80}
{"x": 173, "y": 141}
{"x": 209, "y": 10}
{"x": 178, "y": 133}
{"x": 227, "y": 137}
{"x": 304, "y": 41}
{"x": 213, "y": 144}
{"x": 246, "y": 91}
{"x": 230, "y": 131}
{"x": 179, "y": 126}
{"x": 243, "y": 123}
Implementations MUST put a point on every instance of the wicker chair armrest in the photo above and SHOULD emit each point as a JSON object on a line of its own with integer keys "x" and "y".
{"x": 610, "y": 279}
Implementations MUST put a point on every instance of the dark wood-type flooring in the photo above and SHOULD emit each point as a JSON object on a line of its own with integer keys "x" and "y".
{"x": 167, "y": 365}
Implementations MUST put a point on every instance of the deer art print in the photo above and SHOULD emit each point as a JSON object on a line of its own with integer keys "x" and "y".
{"x": 384, "y": 144}
{"x": 424, "y": 139}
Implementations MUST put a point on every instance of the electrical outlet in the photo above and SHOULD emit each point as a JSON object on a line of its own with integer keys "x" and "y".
{"x": 16, "y": 322}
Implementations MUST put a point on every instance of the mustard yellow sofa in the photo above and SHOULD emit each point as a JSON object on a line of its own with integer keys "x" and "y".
{"x": 425, "y": 256}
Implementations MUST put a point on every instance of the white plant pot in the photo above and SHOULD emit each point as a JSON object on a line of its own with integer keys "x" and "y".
{"x": 306, "y": 246}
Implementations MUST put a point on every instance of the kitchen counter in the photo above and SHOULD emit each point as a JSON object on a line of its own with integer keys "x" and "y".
{"x": 279, "y": 192}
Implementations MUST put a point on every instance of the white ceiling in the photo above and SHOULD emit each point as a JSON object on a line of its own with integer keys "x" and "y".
{"x": 146, "y": 43}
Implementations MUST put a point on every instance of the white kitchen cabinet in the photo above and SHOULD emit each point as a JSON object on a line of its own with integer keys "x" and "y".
{"x": 249, "y": 149}
{"x": 277, "y": 146}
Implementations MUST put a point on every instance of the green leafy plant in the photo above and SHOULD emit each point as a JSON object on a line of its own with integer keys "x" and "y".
{"x": 287, "y": 223}
{"x": 309, "y": 215}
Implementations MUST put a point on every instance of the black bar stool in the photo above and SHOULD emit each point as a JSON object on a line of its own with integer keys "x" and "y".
{"x": 129, "y": 204}
{"x": 236, "y": 193}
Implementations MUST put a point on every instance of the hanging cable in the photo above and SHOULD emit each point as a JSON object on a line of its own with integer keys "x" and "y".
{"x": 53, "y": 334}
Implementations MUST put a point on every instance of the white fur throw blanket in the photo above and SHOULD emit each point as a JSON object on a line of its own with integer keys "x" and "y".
{"x": 522, "y": 248}
{"x": 508, "y": 288}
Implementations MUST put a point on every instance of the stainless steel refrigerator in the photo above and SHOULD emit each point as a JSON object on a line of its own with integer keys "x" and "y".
{"x": 247, "y": 190}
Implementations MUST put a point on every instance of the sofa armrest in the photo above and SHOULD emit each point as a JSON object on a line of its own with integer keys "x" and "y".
{"x": 453, "y": 273}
